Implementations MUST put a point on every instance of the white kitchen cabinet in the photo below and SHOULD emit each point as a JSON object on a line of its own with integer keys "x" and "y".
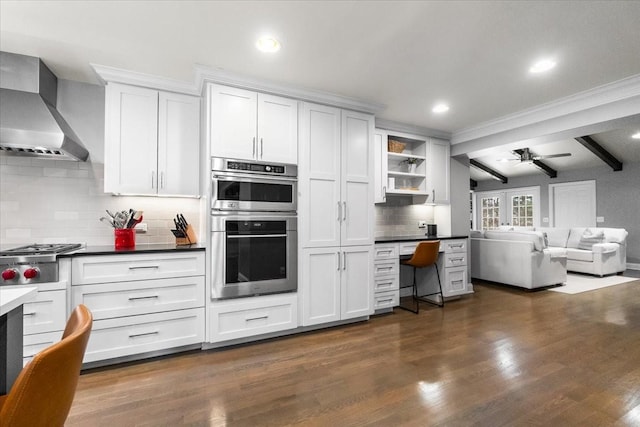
{"x": 152, "y": 141}
{"x": 335, "y": 177}
{"x": 386, "y": 281}
{"x": 246, "y": 317}
{"x": 141, "y": 302}
{"x": 380, "y": 166}
{"x": 438, "y": 175}
{"x": 253, "y": 126}
{"x": 454, "y": 263}
{"x": 335, "y": 284}
{"x": 45, "y": 317}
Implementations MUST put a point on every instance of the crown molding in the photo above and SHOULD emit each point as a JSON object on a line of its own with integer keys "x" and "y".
{"x": 600, "y": 96}
{"x": 108, "y": 74}
{"x": 207, "y": 75}
{"x": 407, "y": 128}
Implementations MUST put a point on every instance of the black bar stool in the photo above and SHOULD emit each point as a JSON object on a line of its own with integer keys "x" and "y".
{"x": 425, "y": 255}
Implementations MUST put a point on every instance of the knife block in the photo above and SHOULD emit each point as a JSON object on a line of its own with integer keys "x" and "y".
{"x": 189, "y": 240}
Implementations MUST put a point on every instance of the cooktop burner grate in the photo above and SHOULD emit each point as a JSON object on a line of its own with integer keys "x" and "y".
{"x": 41, "y": 249}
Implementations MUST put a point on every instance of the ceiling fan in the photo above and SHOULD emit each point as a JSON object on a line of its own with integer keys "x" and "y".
{"x": 526, "y": 156}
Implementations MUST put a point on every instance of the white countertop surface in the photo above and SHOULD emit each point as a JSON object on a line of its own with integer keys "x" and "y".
{"x": 12, "y": 297}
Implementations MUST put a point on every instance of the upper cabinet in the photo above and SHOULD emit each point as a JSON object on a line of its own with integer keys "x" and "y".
{"x": 253, "y": 126}
{"x": 407, "y": 164}
{"x": 152, "y": 142}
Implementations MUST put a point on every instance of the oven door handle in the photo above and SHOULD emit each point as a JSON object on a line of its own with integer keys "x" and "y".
{"x": 258, "y": 179}
{"x": 248, "y": 236}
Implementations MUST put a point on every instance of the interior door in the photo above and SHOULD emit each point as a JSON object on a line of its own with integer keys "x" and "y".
{"x": 572, "y": 204}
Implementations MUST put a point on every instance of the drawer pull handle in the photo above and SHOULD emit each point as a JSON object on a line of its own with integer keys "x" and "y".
{"x": 143, "y": 334}
{"x": 33, "y": 313}
{"x": 457, "y": 259}
{"x": 456, "y": 281}
{"x": 141, "y": 267}
{"x": 385, "y": 268}
{"x": 137, "y": 298}
{"x": 459, "y": 245}
{"x": 385, "y": 301}
{"x": 249, "y": 319}
{"x": 387, "y": 252}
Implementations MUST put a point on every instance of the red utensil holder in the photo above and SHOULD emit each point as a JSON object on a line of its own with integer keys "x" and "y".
{"x": 125, "y": 238}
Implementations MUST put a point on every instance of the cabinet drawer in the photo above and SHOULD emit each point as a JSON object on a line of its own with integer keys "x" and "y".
{"x": 47, "y": 313}
{"x": 108, "y": 300}
{"x": 407, "y": 248}
{"x": 246, "y": 317}
{"x": 455, "y": 281}
{"x": 123, "y": 268}
{"x": 385, "y": 268}
{"x": 385, "y": 252}
{"x": 125, "y": 336}
{"x": 454, "y": 246}
{"x": 455, "y": 259}
{"x": 388, "y": 283}
{"x": 386, "y": 299}
{"x": 33, "y": 344}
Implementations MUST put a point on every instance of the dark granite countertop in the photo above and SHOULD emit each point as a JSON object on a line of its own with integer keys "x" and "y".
{"x": 139, "y": 249}
{"x": 415, "y": 237}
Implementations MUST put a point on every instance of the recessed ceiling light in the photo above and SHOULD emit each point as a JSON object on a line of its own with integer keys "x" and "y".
{"x": 268, "y": 44}
{"x": 440, "y": 108}
{"x": 636, "y": 135}
{"x": 542, "y": 66}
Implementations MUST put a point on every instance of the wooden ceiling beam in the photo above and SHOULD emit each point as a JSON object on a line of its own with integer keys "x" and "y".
{"x": 600, "y": 151}
{"x": 472, "y": 183}
{"x": 495, "y": 174}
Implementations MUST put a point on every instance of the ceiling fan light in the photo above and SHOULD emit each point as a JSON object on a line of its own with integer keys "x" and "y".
{"x": 636, "y": 135}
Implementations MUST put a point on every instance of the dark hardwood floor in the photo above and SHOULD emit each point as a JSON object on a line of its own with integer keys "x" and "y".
{"x": 501, "y": 357}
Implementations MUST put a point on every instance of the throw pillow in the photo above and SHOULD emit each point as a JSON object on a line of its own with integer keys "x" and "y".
{"x": 546, "y": 239}
{"x": 589, "y": 239}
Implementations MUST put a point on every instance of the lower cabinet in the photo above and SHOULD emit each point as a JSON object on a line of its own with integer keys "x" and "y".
{"x": 386, "y": 281}
{"x": 335, "y": 284}
{"x": 141, "y": 302}
{"x": 455, "y": 280}
{"x": 246, "y": 317}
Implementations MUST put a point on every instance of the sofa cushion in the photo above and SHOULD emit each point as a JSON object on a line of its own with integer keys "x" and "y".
{"x": 556, "y": 252}
{"x": 575, "y": 234}
{"x": 477, "y": 234}
{"x": 590, "y": 238}
{"x": 614, "y": 235}
{"x": 534, "y": 237}
{"x": 557, "y": 237}
{"x": 579, "y": 255}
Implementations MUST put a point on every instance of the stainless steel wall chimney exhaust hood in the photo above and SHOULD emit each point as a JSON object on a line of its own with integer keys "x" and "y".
{"x": 30, "y": 125}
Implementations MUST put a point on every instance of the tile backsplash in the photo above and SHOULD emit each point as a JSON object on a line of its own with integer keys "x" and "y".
{"x": 59, "y": 201}
{"x": 399, "y": 217}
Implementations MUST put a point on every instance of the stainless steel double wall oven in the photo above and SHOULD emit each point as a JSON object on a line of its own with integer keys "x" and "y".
{"x": 254, "y": 228}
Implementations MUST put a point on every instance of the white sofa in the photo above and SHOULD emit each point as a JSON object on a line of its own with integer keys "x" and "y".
{"x": 517, "y": 258}
{"x": 594, "y": 250}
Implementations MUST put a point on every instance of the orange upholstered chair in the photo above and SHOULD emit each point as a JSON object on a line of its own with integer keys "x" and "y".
{"x": 44, "y": 390}
{"x": 425, "y": 255}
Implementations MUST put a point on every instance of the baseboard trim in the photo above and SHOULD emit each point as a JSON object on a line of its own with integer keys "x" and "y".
{"x": 633, "y": 266}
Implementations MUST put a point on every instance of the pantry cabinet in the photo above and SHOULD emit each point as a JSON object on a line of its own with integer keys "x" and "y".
{"x": 152, "y": 142}
{"x": 336, "y": 216}
{"x": 253, "y": 126}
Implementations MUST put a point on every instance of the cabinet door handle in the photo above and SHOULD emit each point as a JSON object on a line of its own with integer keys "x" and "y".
{"x": 147, "y": 297}
{"x": 142, "y": 267}
{"x": 161, "y": 179}
{"x": 344, "y": 259}
{"x": 344, "y": 214}
{"x": 153, "y": 174}
{"x": 249, "y": 319}
{"x": 434, "y": 196}
{"x": 261, "y": 148}
{"x": 33, "y": 313}
{"x": 143, "y": 334}
{"x": 384, "y": 192}
{"x": 338, "y": 254}
{"x": 339, "y": 211}
{"x": 253, "y": 153}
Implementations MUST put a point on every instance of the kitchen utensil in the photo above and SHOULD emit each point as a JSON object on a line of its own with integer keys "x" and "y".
{"x": 178, "y": 233}
{"x": 135, "y": 218}
{"x": 107, "y": 220}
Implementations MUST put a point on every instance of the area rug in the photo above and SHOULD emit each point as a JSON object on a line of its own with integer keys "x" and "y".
{"x": 577, "y": 283}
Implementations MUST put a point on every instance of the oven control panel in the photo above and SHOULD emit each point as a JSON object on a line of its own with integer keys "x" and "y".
{"x": 256, "y": 167}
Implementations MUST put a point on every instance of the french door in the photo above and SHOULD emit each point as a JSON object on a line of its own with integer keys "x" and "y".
{"x": 516, "y": 206}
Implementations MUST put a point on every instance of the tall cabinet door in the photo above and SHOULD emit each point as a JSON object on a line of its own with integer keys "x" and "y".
{"x": 357, "y": 179}
{"x": 277, "y": 129}
{"x": 357, "y": 279}
{"x": 319, "y": 287}
{"x": 319, "y": 176}
{"x": 438, "y": 158}
{"x": 233, "y": 122}
{"x": 178, "y": 144}
{"x": 380, "y": 166}
{"x": 131, "y": 140}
